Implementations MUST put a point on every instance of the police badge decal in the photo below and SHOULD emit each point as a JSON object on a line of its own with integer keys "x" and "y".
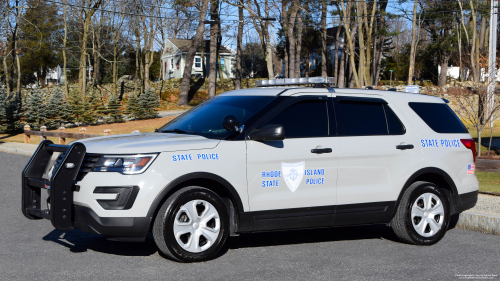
{"x": 293, "y": 174}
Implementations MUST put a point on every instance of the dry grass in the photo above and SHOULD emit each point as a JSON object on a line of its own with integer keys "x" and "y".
{"x": 117, "y": 128}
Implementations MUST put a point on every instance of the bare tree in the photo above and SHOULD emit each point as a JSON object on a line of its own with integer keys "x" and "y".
{"x": 471, "y": 105}
{"x": 186, "y": 77}
{"x": 214, "y": 44}
{"x": 239, "y": 43}
{"x": 323, "y": 41}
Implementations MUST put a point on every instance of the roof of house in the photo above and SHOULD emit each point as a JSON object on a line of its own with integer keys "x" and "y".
{"x": 184, "y": 44}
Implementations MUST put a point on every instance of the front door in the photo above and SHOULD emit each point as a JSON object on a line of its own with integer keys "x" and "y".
{"x": 292, "y": 182}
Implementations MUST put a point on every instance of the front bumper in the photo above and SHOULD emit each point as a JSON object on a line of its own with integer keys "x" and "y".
{"x": 111, "y": 227}
{"x": 63, "y": 213}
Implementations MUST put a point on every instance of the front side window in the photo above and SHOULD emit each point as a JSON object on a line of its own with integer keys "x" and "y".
{"x": 206, "y": 119}
{"x": 369, "y": 119}
{"x": 304, "y": 120}
{"x": 439, "y": 117}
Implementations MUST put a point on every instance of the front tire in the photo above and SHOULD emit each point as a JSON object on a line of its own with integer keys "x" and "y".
{"x": 423, "y": 215}
{"x": 192, "y": 225}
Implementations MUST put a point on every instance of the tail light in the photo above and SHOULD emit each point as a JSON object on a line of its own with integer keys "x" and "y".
{"x": 470, "y": 144}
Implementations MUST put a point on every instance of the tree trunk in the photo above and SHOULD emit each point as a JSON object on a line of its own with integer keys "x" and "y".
{"x": 82, "y": 75}
{"x": 299, "y": 45}
{"x": 65, "y": 77}
{"x": 269, "y": 51}
{"x": 350, "y": 36}
{"x": 214, "y": 34}
{"x": 341, "y": 78}
{"x": 482, "y": 33}
{"x": 239, "y": 44}
{"x": 291, "y": 38}
{"x": 413, "y": 43}
{"x": 186, "y": 77}
{"x": 284, "y": 27}
{"x": 323, "y": 41}
{"x": 444, "y": 70}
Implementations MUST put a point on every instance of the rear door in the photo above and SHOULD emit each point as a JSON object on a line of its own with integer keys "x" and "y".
{"x": 378, "y": 154}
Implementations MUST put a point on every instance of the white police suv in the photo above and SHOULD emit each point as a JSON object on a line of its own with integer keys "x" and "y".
{"x": 263, "y": 159}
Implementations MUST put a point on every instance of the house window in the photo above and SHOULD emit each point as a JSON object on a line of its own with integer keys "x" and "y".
{"x": 222, "y": 63}
{"x": 197, "y": 62}
{"x": 172, "y": 63}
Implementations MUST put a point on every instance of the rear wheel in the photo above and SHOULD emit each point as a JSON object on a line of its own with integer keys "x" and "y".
{"x": 192, "y": 225}
{"x": 423, "y": 215}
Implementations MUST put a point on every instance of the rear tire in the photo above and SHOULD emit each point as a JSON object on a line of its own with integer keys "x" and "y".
{"x": 192, "y": 225}
{"x": 423, "y": 215}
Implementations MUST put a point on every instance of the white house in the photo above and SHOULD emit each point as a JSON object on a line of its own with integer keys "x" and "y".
{"x": 454, "y": 72}
{"x": 174, "y": 59}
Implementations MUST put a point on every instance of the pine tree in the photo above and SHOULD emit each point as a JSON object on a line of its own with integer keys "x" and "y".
{"x": 149, "y": 101}
{"x": 114, "y": 110}
{"x": 36, "y": 109}
{"x": 134, "y": 110}
{"x": 58, "y": 109}
{"x": 77, "y": 107}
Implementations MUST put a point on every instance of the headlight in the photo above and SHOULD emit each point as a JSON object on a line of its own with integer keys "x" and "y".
{"x": 125, "y": 164}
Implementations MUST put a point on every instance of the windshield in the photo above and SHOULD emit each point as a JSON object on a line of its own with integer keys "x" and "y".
{"x": 206, "y": 119}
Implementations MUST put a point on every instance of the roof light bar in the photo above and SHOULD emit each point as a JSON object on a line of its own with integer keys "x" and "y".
{"x": 295, "y": 81}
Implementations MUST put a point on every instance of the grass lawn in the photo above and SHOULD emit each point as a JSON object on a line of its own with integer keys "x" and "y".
{"x": 116, "y": 128}
{"x": 489, "y": 181}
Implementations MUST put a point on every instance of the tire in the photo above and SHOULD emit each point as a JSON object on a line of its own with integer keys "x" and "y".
{"x": 192, "y": 225}
{"x": 423, "y": 215}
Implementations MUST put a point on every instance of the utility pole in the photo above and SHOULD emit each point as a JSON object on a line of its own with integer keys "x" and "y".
{"x": 492, "y": 56}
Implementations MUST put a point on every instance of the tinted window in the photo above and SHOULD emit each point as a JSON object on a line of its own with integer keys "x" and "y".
{"x": 363, "y": 119}
{"x": 304, "y": 119}
{"x": 439, "y": 117}
{"x": 206, "y": 119}
{"x": 395, "y": 126}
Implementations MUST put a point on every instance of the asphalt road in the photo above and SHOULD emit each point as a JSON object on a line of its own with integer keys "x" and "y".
{"x": 33, "y": 250}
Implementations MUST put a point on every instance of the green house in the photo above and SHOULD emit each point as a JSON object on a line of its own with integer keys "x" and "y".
{"x": 174, "y": 59}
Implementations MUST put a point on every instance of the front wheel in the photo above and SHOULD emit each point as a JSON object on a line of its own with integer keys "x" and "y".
{"x": 192, "y": 225}
{"x": 423, "y": 215}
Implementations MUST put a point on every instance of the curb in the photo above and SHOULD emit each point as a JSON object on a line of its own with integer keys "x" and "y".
{"x": 479, "y": 222}
{"x": 20, "y": 151}
{"x": 16, "y": 151}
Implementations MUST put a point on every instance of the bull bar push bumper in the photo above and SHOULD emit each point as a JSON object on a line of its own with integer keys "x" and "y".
{"x": 60, "y": 184}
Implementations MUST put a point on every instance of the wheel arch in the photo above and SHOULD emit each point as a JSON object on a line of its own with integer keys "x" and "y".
{"x": 436, "y": 176}
{"x": 210, "y": 181}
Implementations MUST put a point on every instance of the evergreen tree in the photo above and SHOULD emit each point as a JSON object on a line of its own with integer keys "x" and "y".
{"x": 134, "y": 109}
{"x": 36, "y": 109}
{"x": 10, "y": 112}
{"x": 149, "y": 101}
{"x": 58, "y": 109}
{"x": 77, "y": 107}
{"x": 114, "y": 110}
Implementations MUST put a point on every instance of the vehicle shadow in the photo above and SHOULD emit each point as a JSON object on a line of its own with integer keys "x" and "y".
{"x": 318, "y": 235}
{"x": 78, "y": 241}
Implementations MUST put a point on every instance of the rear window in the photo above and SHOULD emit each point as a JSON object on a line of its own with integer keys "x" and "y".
{"x": 439, "y": 117}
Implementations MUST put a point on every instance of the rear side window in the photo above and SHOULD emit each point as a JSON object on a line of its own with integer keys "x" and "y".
{"x": 369, "y": 119}
{"x": 439, "y": 117}
{"x": 304, "y": 120}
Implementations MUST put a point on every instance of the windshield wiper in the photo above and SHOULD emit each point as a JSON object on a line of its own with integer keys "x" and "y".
{"x": 179, "y": 131}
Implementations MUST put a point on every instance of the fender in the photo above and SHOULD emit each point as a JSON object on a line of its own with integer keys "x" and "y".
{"x": 430, "y": 170}
{"x": 196, "y": 176}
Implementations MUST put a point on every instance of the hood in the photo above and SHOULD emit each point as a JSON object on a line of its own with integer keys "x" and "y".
{"x": 146, "y": 143}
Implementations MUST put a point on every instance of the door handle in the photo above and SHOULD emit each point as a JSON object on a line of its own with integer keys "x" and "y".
{"x": 321, "y": 150}
{"x": 404, "y": 146}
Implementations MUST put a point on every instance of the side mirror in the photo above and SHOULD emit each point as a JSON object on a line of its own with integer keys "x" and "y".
{"x": 270, "y": 132}
{"x": 230, "y": 123}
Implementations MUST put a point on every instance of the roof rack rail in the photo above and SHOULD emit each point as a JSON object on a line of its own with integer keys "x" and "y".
{"x": 326, "y": 82}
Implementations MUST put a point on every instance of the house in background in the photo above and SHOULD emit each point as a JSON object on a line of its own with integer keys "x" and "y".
{"x": 174, "y": 59}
